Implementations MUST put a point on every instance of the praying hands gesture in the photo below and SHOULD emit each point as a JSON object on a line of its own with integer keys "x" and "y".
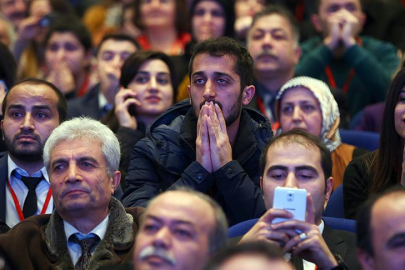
{"x": 343, "y": 28}
{"x": 213, "y": 149}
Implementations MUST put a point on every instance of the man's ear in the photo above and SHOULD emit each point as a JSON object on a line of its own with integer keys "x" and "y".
{"x": 328, "y": 190}
{"x": 188, "y": 91}
{"x": 365, "y": 259}
{"x": 316, "y": 21}
{"x": 297, "y": 53}
{"x": 248, "y": 94}
{"x": 115, "y": 181}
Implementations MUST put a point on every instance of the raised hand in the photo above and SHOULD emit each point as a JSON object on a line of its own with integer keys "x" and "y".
{"x": 61, "y": 76}
{"x": 220, "y": 147}
{"x": 351, "y": 28}
{"x": 333, "y": 37}
{"x": 123, "y": 100}
{"x": 309, "y": 243}
{"x": 203, "y": 151}
{"x": 263, "y": 230}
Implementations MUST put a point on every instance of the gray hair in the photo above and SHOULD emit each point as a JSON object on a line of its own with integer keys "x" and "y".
{"x": 84, "y": 127}
{"x": 218, "y": 237}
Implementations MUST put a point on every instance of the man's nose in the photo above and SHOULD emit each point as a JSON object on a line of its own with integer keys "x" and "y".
{"x": 28, "y": 122}
{"x": 162, "y": 238}
{"x": 73, "y": 173}
{"x": 291, "y": 181}
{"x": 116, "y": 61}
{"x": 209, "y": 90}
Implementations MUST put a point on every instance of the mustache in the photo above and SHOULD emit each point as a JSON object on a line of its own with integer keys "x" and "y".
{"x": 158, "y": 252}
{"x": 24, "y": 133}
{"x": 74, "y": 188}
{"x": 266, "y": 53}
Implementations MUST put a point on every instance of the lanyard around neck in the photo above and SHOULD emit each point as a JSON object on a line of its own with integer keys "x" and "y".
{"x": 17, "y": 204}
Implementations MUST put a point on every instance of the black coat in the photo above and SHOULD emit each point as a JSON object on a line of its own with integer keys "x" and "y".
{"x": 166, "y": 158}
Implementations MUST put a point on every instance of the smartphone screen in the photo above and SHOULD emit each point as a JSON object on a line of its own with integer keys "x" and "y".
{"x": 293, "y": 200}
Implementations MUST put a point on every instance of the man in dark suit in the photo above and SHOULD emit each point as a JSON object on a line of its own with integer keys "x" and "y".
{"x": 297, "y": 159}
{"x": 31, "y": 109}
{"x": 112, "y": 52}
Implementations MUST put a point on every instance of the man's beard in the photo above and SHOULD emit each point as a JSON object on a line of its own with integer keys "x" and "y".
{"x": 234, "y": 112}
{"x": 30, "y": 152}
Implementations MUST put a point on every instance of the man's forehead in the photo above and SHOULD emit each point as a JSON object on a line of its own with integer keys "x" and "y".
{"x": 284, "y": 149}
{"x": 31, "y": 92}
{"x": 207, "y": 63}
{"x": 179, "y": 205}
{"x": 272, "y": 21}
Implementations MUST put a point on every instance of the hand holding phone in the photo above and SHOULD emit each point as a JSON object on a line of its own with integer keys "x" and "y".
{"x": 290, "y": 199}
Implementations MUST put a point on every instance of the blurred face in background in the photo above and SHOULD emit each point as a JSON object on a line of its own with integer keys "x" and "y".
{"x": 158, "y": 13}
{"x": 208, "y": 20}
{"x": 14, "y": 10}
{"x": 248, "y": 7}
{"x": 64, "y": 48}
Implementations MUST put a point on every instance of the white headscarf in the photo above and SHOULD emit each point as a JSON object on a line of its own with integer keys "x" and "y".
{"x": 329, "y": 108}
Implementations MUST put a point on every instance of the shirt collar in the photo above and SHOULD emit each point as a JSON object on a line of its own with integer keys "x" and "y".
{"x": 12, "y": 166}
{"x": 102, "y": 101}
{"x": 99, "y": 230}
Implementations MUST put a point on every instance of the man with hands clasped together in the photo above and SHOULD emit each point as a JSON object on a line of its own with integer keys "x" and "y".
{"x": 297, "y": 159}
{"x": 360, "y": 66}
{"x": 212, "y": 145}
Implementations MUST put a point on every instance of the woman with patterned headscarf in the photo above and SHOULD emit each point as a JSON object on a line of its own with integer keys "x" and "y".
{"x": 308, "y": 104}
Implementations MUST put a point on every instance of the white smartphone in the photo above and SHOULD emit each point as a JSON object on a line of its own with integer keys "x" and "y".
{"x": 291, "y": 199}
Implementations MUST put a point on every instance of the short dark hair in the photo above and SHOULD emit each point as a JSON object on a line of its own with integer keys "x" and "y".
{"x": 219, "y": 47}
{"x": 71, "y": 24}
{"x": 131, "y": 66}
{"x": 304, "y": 138}
{"x": 61, "y": 105}
{"x": 117, "y": 37}
{"x": 363, "y": 219}
{"x": 283, "y": 12}
{"x": 264, "y": 249}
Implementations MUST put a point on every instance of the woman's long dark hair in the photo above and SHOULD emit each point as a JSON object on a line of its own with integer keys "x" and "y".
{"x": 387, "y": 162}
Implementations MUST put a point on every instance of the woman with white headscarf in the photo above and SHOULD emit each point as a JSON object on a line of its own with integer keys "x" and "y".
{"x": 308, "y": 104}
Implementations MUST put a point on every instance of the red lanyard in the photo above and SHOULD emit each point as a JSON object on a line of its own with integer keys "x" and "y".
{"x": 349, "y": 77}
{"x": 332, "y": 81}
{"x": 17, "y": 204}
{"x": 83, "y": 88}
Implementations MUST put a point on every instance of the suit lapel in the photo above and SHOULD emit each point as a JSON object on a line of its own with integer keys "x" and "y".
{"x": 333, "y": 240}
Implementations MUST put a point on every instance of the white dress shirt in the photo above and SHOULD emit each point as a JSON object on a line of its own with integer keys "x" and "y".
{"x": 75, "y": 250}
{"x": 21, "y": 191}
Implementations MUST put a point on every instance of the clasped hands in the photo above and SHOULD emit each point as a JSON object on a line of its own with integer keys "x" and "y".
{"x": 343, "y": 28}
{"x": 289, "y": 236}
{"x": 213, "y": 149}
